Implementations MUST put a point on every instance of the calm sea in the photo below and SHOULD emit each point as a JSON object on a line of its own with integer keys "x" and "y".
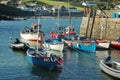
{"x": 76, "y": 66}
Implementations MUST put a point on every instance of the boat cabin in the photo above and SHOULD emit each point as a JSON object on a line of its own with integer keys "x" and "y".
{"x": 69, "y": 29}
{"x": 35, "y": 26}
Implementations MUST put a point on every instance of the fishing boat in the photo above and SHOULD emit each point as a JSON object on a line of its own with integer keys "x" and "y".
{"x": 54, "y": 45}
{"x": 88, "y": 46}
{"x": 102, "y": 44}
{"x": 30, "y": 34}
{"x": 17, "y": 45}
{"x": 62, "y": 32}
{"x": 112, "y": 68}
{"x": 115, "y": 44}
{"x": 40, "y": 57}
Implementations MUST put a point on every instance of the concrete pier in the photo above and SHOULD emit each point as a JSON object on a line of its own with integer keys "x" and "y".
{"x": 106, "y": 28}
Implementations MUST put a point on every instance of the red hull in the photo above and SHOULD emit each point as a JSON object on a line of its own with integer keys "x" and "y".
{"x": 115, "y": 46}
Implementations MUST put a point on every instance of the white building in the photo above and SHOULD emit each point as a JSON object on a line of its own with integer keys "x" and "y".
{"x": 89, "y": 3}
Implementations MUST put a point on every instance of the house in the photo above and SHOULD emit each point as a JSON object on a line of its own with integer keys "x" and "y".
{"x": 89, "y": 3}
{"x": 117, "y": 7}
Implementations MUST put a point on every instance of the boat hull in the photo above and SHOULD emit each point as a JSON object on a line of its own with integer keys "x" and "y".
{"x": 44, "y": 62}
{"x": 19, "y": 46}
{"x": 29, "y": 36}
{"x": 115, "y": 45}
{"x": 60, "y": 36}
{"x": 57, "y": 47}
{"x": 103, "y": 45}
{"x": 88, "y": 46}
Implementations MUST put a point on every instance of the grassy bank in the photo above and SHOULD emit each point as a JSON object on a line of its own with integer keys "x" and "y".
{"x": 57, "y": 3}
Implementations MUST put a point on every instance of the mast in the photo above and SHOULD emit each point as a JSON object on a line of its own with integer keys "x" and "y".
{"x": 58, "y": 16}
{"x": 86, "y": 35}
{"x": 69, "y": 18}
{"x": 93, "y": 12}
{"x": 38, "y": 33}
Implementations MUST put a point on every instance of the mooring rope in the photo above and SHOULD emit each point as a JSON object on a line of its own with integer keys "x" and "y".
{"x": 77, "y": 76}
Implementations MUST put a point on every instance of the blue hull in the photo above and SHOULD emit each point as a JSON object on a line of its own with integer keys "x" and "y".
{"x": 44, "y": 62}
{"x": 89, "y": 47}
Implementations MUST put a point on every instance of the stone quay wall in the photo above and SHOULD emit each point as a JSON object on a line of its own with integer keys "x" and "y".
{"x": 106, "y": 28}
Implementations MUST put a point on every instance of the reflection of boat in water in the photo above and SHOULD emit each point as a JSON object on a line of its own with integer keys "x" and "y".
{"x": 44, "y": 74}
{"x": 101, "y": 54}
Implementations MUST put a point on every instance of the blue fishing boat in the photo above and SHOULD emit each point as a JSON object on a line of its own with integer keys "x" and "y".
{"x": 88, "y": 46}
{"x": 41, "y": 58}
{"x": 44, "y": 59}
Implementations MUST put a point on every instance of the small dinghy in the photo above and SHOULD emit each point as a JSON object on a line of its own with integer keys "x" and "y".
{"x": 112, "y": 68}
{"x": 17, "y": 45}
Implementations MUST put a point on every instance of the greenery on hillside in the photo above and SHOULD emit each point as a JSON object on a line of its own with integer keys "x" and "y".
{"x": 11, "y": 11}
{"x": 106, "y": 4}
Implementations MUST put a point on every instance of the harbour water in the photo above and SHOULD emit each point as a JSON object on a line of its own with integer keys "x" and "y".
{"x": 77, "y": 65}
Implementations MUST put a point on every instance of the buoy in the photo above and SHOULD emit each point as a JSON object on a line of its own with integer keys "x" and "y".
{"x": 70, "y": 44}
{"x": 60, "y": 61}
{"x": 41, "y": 38}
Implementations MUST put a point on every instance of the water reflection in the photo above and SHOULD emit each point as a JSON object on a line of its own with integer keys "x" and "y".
{"x": 116, "y": 55}
{"x": 45, "y": 74}
{"x": 107, "y": 77}
{"x": 101, "y": 54}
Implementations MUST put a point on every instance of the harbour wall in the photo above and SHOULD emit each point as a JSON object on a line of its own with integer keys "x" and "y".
{"x": 106, "y": 28}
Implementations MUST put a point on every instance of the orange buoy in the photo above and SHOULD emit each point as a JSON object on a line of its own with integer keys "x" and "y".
{"x": 41, "y": 38}
{"x": 70, "y": 44}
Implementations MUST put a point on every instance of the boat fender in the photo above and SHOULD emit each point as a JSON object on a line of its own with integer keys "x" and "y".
{"x": 41, "y": 38}
{"x": 52, "y": 58}
{"x": 59, "y": 61}
{"x": 70, "y": 44}
{"x": 78, "y": 45}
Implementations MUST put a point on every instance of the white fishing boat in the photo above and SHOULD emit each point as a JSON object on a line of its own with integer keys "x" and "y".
{"x": 53, "y": 45}
{"x": 31, "y": 33}
{"x": 102, "y": 44}
{"x": 112, "y": 68}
